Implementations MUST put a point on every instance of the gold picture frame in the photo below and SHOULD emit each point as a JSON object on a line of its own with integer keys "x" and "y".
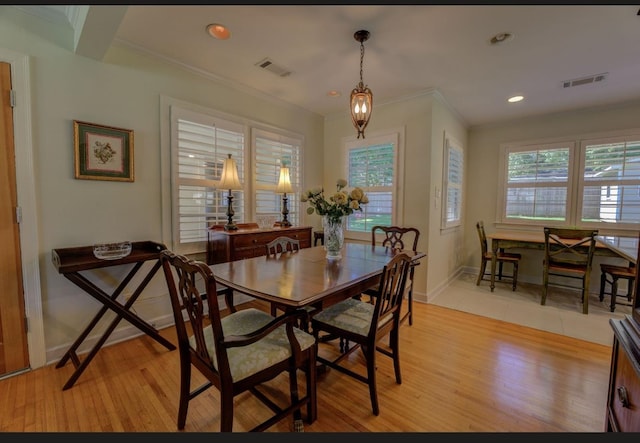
{"x": 103, "y": 152}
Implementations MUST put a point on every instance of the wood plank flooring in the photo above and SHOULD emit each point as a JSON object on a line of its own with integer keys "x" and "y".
{"x": 461, "y": 373}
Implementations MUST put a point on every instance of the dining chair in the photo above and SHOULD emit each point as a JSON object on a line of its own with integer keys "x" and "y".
{"x": 365, "y": 324}
{"x": 280, "y": 244}
{"x": 238, "y": 352}
{"x": 275, "y": 248}
{"x": 568, "y": 253}
{"x": 610, "y": 274}
{"x": 397, "y": 237}
{"x": 501, "y": 258}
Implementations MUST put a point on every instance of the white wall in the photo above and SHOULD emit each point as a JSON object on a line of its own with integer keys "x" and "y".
{"x": 482, "y": 171}
{"x": 123, "y": 91}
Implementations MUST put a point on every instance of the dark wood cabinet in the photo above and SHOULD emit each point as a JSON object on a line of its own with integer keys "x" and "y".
{"x": 623, "y": 400}
{"x": 224, "y": 246}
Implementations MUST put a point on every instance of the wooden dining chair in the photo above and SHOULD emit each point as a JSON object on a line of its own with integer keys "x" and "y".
{"x": 501, "y": 258}
{"x": 611, "y": 274}
{"x": 568, "y": 253}
{"x": 238, "y": 352}
{"x": 397, "y": 237}
{"x": 365, "y": 324}
{"x": 280, "y": 244}
{"x": 275, "y": 248}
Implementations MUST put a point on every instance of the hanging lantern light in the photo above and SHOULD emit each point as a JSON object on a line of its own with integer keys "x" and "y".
{"x": 361, "y": 96}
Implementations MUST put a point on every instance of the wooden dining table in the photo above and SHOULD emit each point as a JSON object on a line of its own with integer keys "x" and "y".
{"x": 307, "y": 277}
{"x": 608, "y": 246}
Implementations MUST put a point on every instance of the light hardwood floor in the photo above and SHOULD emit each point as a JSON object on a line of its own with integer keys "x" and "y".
{"x": 461, "y": 372}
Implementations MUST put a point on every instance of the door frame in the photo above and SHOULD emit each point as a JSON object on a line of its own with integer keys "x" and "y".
{"x": 26, "y": 190}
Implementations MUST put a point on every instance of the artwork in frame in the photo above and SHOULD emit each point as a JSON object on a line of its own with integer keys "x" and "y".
{"x": 103, "y": 152}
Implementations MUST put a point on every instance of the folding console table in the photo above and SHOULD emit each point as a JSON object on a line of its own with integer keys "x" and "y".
{"x": 71, "y": 261}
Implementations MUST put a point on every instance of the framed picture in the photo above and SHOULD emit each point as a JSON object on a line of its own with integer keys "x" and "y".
{"x": 103, "y": 152}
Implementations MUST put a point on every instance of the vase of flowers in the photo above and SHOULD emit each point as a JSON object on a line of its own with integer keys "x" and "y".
{"x": 333, "y": 236}
{"x": 333, "y": 210}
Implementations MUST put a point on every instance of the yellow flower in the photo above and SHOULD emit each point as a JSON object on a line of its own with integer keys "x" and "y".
{"x": 338, "y": 205}
{"x": 357, "y": 194}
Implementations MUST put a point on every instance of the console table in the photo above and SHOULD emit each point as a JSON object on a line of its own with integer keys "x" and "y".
{"x": 71, "y": 261}
{"x": 249, "y": 241}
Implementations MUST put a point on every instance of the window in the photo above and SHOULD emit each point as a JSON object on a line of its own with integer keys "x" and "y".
{"x": 453, "y": 183}
{"x": 271, "y": 151}
{"x": 611, "y": 181}
{"x": 194, "y": 143}
{"x": 200, "y": 143}
{"x": 372, "y": 166}
{"x": 585, "y": 183}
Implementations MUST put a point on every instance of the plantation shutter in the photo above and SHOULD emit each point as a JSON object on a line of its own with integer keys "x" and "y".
{"x": 202, "y": 143}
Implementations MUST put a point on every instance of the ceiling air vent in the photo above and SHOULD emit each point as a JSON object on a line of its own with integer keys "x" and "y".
{"x": 584, "y": 80}
{"x": 270, "y": 66}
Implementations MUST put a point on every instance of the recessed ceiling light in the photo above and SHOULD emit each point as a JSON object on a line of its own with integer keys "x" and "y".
{"x": 334, "y": 93}
{"x": 500, "y": 37}
{"x": 515, "y": 99}
{"x": 218, "y": 31}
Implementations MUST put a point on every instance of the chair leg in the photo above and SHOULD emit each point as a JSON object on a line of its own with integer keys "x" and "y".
{"x": 483, "y": 268}
{"x": 515, "y": 275}
{"x": 410, "y": 305}
{"x": 185, "y": 386}
{"x": 311, "y": 379}
{"x": 603, "y": 281}
{"x": 370, "y": 353}
{"x": 298, "y": 425}
{"x": 545, "y": 287}
{"x": 226, "y": 411}
{"x": 614, "y": 293}
{"x": 630, "y": 287}
{"x": 395, "y": 349}
{"x": 585, "y": 295}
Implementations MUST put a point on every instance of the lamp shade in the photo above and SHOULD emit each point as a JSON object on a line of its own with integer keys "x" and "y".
{"x": 229, "y": 179}
{"x": 284, "y": 183}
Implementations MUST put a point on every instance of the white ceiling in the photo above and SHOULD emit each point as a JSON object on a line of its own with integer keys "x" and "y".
{"x": 412, "y": 50}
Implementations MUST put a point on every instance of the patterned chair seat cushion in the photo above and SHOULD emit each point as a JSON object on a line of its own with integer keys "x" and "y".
{"x": 247, "y": 360}
{"x": 352, "y": 315}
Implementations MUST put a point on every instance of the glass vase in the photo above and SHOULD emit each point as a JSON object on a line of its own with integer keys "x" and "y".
{"x": 333, "y": 236}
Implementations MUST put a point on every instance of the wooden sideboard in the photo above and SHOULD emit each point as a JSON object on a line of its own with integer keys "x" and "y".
{"x": 623, "y": 400}
{"x": 249, "y": 241}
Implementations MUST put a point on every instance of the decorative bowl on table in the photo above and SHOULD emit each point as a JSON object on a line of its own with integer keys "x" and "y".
{"x": 112, "y": 251}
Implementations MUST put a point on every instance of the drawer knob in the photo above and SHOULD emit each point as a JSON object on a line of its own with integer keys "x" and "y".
{"x": 623, "y": 396}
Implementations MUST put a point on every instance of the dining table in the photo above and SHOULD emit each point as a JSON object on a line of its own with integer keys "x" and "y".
{"x": 619, "y": 246}
{"x": 307, "y": 277}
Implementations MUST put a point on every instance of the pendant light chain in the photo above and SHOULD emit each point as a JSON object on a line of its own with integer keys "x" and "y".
{"x": 361, "y": 60}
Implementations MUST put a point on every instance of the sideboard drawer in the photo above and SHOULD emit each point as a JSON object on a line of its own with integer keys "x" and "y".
{"x": 223, "y": 246}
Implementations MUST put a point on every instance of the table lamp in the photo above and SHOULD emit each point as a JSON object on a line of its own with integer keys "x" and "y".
{"x": 230, "y": 181}
{"x": 284, "y": 187}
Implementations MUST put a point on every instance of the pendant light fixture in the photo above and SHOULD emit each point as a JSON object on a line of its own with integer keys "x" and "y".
{"x": 361, "y": 96}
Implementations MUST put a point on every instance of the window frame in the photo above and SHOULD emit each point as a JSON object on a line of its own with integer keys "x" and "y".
{"x": 577, "y": 146}
{"x": 452, "y": 145}
{"x": 395, "y": 137}
{"x": 247, "y": 169}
